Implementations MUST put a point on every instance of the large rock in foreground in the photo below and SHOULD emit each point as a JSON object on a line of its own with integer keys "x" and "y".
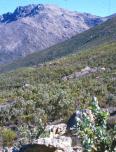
{"x": 62, "y": 143}
{"x": 59, "y": 144}
{"x": 37, "y": 148}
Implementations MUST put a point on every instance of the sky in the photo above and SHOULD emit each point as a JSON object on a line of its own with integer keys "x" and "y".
{"x": 96, "y": 7}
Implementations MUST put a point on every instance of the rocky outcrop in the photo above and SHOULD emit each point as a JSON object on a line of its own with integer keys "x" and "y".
{"x": 84, "y": 72}
{"x": 56, "y": 144}
{"x": 62, "y": 143}
{"x": 58, "y": 138}
{"x": 59, "y": 144}
{"x": 61, "y": 137}
{"x": 57, "y": 141}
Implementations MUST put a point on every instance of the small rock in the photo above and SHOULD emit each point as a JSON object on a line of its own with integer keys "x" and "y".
{"x": 56, "y": 130}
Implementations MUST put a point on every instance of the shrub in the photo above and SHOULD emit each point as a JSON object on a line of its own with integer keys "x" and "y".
{"x": 8, "y": 136}
{"x": 95, "y": 136}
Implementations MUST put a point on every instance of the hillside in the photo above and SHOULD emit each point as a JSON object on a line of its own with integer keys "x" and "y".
{"x": 32, "y": 97}
{"x": 50, "y": 75}
{"x": 36, "y": 27}
{"x": 100, "y": 34}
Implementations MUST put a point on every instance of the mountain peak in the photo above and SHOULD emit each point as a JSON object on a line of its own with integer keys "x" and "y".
{"x": 22, "y": 11}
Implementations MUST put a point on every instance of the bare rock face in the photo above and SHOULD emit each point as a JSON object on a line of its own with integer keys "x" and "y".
{"x": 36, "y": 27}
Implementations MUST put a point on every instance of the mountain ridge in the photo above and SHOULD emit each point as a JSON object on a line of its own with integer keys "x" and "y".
{"x": 36, "y": 27}
{"x": 34, "y": 9}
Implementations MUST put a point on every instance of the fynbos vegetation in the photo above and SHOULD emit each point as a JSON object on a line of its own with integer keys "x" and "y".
{"x": 33, "y": 97}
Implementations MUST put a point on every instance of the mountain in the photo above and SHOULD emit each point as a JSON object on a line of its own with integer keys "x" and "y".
{"x": 36, "y": 27}
{"x": 113, "y": 15}
{"x": 104, "y": 33}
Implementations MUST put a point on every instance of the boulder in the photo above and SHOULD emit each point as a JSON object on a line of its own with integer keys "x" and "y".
{"x": 37, "y": 148}
{"x": 61, "y": 143}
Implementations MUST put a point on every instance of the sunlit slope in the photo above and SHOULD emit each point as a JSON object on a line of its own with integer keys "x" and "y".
{"x": 47, "y": 79}
{"x": 94, "y": 37}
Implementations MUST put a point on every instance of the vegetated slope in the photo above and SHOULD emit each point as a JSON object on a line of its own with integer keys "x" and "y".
{"x": 100, "y": 34}
{"x": 44, "y": 85}
{"x": 36, "y": 27}
{"x": 33, "y": 97}
{"x": 36, "y": 96}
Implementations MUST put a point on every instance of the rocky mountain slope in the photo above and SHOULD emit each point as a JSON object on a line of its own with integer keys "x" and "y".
{"x": 36, "y": 27}
{"x": 103, "y": 33}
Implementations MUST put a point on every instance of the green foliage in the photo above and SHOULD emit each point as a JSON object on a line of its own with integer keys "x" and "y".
{"x": 94, "y": 135}
{"x": 39, "y": 93}
{"x": 8, "y": 136}
{"x": 28, "y": 133}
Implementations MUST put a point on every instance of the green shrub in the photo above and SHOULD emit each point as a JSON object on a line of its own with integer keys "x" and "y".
{"x": 95, "y": 136}
{"x": 8, "y": 136}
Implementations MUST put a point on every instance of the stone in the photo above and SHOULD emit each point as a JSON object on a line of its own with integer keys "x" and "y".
{"x": 56, "y": 130}
{"x": 84, "y": 72}
{"x": 58, "y": 142}
{"x": 37, "y": 148}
